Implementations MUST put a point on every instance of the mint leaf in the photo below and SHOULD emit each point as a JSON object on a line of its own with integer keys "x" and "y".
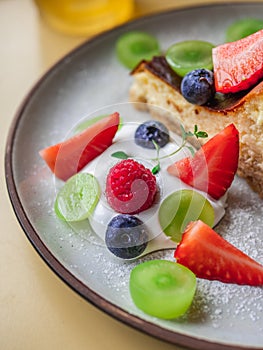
{"x": 201, "y": 134}
{"x": 120, "y": 155}
{"x": 156, "y": 169}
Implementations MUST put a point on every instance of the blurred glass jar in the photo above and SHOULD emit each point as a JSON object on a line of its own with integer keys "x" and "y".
{"x": 85, "y": 17}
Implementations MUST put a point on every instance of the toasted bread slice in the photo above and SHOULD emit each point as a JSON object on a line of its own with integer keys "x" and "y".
{"x": 156, "y": 84}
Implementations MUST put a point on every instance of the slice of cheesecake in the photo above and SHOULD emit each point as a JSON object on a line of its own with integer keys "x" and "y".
{"x": 156, "y": 84}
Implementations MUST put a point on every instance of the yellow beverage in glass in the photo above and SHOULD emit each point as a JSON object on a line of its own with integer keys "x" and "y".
{"x": 84, "y": 17}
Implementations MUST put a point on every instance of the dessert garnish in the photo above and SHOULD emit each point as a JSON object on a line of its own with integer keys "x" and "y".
{"x": 242, "y": 28}
{"x": 233, "y": 68}
{"x": 126, "y": 236}
{"x": 210, "y": 256}
{"x": 69, "y": 157}
{"x": 154, "y": 135}
{"x": 77, "y": 199}
{"x": 130, "y": 187}
{"x": 133, "y": 46}
{"x": 162, "y": 288}
{"x": 238, "y": 65}
{"x": 156, "y": 83}
{"x": 159, "y": 68}
{"x": 198, "y": 86}
{"x": 214, "y": 165}
{"x": 181, "y": 207}
{"x": 183, "y": 57}
{"x": 151, "y": 134}
{"x": 186, "y": 56}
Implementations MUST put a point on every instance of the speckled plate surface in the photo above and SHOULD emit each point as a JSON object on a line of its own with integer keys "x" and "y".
{"x": 86, "y": 82}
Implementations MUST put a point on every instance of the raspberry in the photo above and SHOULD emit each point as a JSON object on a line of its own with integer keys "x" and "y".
{"x": 130, "y": 187}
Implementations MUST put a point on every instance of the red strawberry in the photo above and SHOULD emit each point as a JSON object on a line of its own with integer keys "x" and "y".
{"x": 238, "y": 65}
{"x": 213, "y": 167}
{"x": 67, "y": 158}
{"x": 210, "y": 256}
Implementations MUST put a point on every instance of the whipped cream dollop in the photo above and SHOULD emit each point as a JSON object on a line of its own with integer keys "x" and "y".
{"x": 167, "y": 184}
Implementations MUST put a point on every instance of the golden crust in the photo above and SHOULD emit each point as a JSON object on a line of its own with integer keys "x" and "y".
{"x": 247, "y": 115}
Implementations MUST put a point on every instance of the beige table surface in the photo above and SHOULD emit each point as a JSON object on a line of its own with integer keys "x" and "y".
{"x": 37, "y": 310}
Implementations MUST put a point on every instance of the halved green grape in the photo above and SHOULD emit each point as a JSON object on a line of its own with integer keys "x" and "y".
{"x": 162, "y": 288}
{"x": 78, "y": 197}
{"x": 182, "y": 207}
{"x": 185, "y": 56}
{"x": 88, "y": 122}
{"x": 242, "y": 28}
{"x": 134, "y": 46}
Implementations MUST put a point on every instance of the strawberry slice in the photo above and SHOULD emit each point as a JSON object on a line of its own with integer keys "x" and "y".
{"x": 69, "y": 157}
{"x": 238, "y": 65}
{"x": 211, "y": 257}
{"x": 212, "y": 169}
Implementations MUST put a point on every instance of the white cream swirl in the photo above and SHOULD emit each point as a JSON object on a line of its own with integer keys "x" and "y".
{"x": 167, "y": 184}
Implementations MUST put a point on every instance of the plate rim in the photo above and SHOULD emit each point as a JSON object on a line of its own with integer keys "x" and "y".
{"x": 54, "y": 264}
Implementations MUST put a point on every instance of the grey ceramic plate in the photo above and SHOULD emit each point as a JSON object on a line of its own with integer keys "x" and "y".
{"x": 86, "y": 80}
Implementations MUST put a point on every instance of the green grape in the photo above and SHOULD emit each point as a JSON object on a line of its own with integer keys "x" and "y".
{"x": 134, "y": 46}
{"x": 77, "y": 198}
{"x": 88, "y": 122}
{"x": 185, "y": 56}
{"x": 242, "y": 28}
{"x": 181, "y": 207}
{"x": 162, "y": 288}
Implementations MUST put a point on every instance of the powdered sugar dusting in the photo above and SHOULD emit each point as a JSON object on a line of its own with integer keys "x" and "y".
{"x": 221, "y": 312}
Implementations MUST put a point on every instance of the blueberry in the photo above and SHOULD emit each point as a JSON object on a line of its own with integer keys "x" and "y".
{"x": 126, "y": 236}
{"x": 198, "y": 87}
{"x": 151, "y": 131}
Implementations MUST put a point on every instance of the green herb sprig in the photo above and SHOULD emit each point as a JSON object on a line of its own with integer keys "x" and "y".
{"x": 157, "y": 167}
{"x": 185, "y": 136}
{"x": 120, "y": 155}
